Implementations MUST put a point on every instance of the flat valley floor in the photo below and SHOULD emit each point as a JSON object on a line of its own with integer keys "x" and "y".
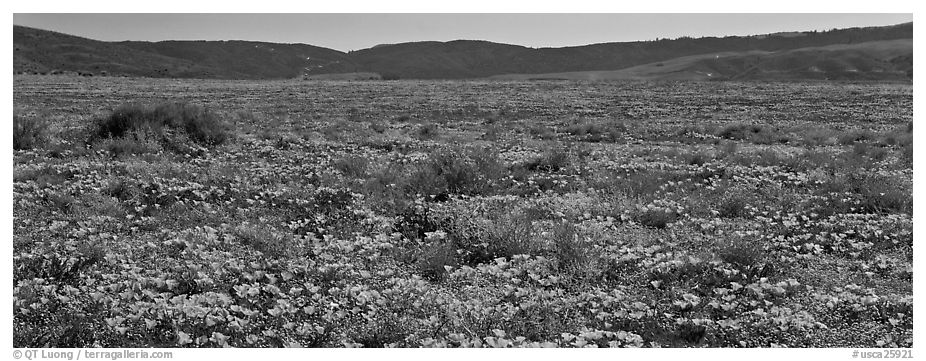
{"x": 461, "y": 213}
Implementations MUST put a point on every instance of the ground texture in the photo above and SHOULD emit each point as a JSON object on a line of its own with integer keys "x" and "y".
{"x": 447, "y": 213}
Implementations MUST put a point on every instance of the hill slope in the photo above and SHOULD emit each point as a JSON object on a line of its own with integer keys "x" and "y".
{"x": 874, "y": 60}
{"x": 250, "y": 59}
{"x": 467, "y": 59}
{"x": 42, "y": 51}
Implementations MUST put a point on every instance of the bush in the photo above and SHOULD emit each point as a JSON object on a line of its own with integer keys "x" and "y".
{"x": 426, "y": 131}
{"x": 747, "y": 256}
{"x": 849, "y": 138}
{"x": 902, "y": 137}
{"x": 133, "y": 143}
{"x": 199, "y": 124}
{"x": 352, "y": 166}
{"x": 907, "y": 155}
{"x": 884, "y": 195}
{"x": 568, "y": 249}
{"x": 541, "y": 132}
{"x": 641, "y": 183}
{"x": 264, "y": 239}
{"x": 728, "y": 150}
{"x": 509, "y": 235}
{"x": 597, "y": 132}
{"x": 753, "y": 133}
{"x": 698, "y": 157}
{"x": 740, "y": 131}
{"x": 732, "y": 206}
{"x": 468, "y": 171}
{"x": 656, "y": 218}
{"x": 379, "y": 127}
{"x": 862, "y": 150}
{"x": 492, "y": 132}
{"x": 552, "y": 160}
{"x": 877, "y": 194}
{"x": 433, "y": 258}
{"x": 28, "y": 132}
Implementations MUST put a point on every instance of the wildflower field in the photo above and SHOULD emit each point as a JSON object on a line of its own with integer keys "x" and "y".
{"x": 201, "y": 213}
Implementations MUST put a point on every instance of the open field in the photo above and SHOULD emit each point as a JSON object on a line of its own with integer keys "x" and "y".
{"x": 462, "y": 213}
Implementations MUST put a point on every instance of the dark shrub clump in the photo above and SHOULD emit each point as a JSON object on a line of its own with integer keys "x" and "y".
{"x": 753, "y": 133}
{"x": 198, "y": 123}
{"x": 27, "y": 132}
{"x": 468, "y": 171}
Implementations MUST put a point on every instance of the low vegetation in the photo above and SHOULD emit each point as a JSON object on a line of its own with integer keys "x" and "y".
{"x": 684, "y": 216}
{"x": 28, "y": 132}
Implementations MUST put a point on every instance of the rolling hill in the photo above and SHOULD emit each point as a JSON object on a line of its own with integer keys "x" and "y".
{"x": 873, "y": 60}
{"x": 41, "y": 51}
{"x": 857, "y": 53}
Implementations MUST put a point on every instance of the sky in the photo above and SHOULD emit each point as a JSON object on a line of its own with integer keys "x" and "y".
{"x": 347, "y": 32}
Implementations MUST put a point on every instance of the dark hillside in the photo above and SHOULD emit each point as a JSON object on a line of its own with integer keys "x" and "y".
{"x": 40, "y": 51}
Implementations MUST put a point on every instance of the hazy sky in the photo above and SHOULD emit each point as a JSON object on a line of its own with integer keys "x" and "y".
{"x": 357, "y": 31}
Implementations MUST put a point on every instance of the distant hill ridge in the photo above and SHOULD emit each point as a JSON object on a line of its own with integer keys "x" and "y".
{"x": 768, "y": 56}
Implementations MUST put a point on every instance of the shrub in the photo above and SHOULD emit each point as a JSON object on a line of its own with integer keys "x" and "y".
{"x": 378, "y": 127}
{"x": 732, "y": 206}
{"x": 133, "y": 143}
{"x": 747, "y": 256}
{"x": 877, "y": 194}
{"x": 467, "y": 171}
{"x": 902, "y": 137}
{"x": 694, "y": 157}
{"x": 752, "y": 132}
{"x": 28, "y": 132}
{"x": 120, "y": 189}
{"x": 509, "y": 235}
{"x": 728, "y": 149}
{"x": 45, "y": 176}
{"x": 906, "y": 155}
{"x": 426, "y": 131}
{"x": 352, "y": 166}
{"x": 884, "y": 194}
{"x": 818, "y": 136}
{"x": 740, "y": 131}
{"x": 433, "y": 258}
{"x": 860, "y": 150}
{"x": 849, "y": 138}
{"x": 492, "y": 132}
{"x": 764, "y": 158}
{"x": 541, "y": 132}
{"x": 551, "y": 160}
{"x": 568, "y": 250}
{"x": 342, "y": 129}
{"x": 61, "y": 201}
{"x": 198, "y": 123}
{"x": 414, "y": 222}
{"x": 641, "y": 183}
{"x": 656, "y": 218}
{"x": 264, "y": 239}
{"x": 60, "y": 269}
{"x": 597, "y": 132}
{"x": 385, "y": 188}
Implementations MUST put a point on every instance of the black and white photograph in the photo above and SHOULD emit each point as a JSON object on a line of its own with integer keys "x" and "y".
{"x": 461, "y": 180}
